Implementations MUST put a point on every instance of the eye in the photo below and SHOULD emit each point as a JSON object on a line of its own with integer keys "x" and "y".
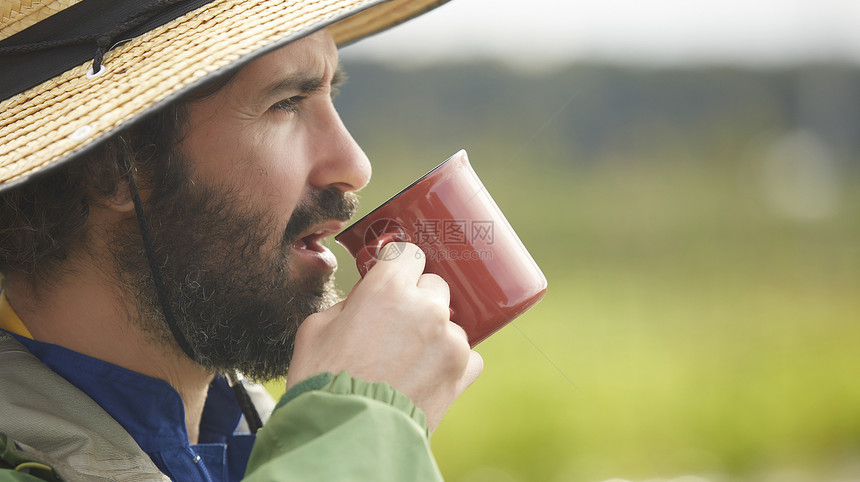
{"x": 289, "y": 105}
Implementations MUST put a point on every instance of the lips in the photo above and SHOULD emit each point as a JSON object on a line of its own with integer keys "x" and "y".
{"x": 312, "y": 238}
{"x": 309, "y": 247}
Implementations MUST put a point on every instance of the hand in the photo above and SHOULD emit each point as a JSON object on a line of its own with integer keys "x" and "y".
{"x": 393, "y": 327}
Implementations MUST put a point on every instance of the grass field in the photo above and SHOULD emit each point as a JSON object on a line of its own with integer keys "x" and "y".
{"x": 691, "y": 328}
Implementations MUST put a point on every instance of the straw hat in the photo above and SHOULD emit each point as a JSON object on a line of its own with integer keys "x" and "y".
{"x": 73, "y": 71}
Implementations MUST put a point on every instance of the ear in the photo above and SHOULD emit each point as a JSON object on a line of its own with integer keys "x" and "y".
{"x": 118, "y": 201}
{"x": 121, "y": 200}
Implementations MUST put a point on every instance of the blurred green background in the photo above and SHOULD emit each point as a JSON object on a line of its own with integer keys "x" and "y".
{"x": 699, "y": 230}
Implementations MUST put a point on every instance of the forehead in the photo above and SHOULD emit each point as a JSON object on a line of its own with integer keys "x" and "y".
{"x": 316, "y": 53}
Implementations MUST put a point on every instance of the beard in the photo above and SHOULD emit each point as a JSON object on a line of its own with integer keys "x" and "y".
{"x": 235, "y": 299}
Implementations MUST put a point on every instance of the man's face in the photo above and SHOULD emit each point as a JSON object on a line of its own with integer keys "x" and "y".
{"x": 268, "y": 172}
{"x": 273, "y": 137}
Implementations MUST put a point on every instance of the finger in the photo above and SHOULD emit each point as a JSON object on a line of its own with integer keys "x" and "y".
{"x": 434, "y": 283}
{"x": 459, "y": 332}
{"x": 463, "y": 351}
{"x": 398, "y": 259}
{"x": 473, "y": 369}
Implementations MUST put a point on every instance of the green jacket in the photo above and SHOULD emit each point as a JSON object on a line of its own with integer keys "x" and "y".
{"x": 328, "y": 427}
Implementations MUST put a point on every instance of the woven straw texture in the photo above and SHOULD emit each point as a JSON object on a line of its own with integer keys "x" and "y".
{"x": 50, "y": 122}
{"x": 16, "y": 15}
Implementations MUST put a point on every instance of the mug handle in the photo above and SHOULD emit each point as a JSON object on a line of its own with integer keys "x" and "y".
{"x": 368, "y": 255}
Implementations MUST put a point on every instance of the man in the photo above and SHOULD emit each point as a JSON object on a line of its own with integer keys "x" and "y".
{"x": 164, "y": 201}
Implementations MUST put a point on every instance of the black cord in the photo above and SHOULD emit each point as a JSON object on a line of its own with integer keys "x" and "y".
{"x": 157, "y": 279}
{"x": 245, "y": 403}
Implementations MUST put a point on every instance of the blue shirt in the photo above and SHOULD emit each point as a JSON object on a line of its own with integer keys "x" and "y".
{"x": 151, "y": 411}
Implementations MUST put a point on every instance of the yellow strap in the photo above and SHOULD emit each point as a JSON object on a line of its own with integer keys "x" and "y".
{"x": 9, "y": 320}
{"x": 26, "y": 467}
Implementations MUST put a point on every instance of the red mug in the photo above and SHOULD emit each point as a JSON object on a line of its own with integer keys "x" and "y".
{"x": 466, "y": 240}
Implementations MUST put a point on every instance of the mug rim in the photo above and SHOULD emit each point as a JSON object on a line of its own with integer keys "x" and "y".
{"x": 392, "y": 198}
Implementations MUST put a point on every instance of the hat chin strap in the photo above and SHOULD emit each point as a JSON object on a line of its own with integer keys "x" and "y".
{"x": 157, "y": 278}
{"x": 233, "y": 378}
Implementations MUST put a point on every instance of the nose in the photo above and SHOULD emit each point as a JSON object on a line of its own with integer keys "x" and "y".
{"x": 340, "y": 161}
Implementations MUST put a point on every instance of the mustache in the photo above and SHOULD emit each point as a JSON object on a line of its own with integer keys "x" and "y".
{"x": 321, "y": 206}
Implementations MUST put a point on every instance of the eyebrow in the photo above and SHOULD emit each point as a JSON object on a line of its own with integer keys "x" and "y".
{"x": 303, "y": 83}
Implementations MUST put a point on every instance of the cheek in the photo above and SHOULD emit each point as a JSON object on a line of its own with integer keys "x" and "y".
{"x": 274, "y": 172}
{"x": 275, "y": 193}
{"x": 277, "y": 189}
{"x": 257, "y": 166}
{"x": 264, "y": 163}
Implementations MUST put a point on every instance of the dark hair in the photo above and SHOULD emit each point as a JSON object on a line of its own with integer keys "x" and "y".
{"x": 41, "y": 221}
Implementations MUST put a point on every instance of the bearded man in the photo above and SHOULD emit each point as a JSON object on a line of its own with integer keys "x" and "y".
{"x": 169, "y": 171}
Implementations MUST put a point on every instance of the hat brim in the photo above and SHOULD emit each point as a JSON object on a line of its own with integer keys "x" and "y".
{"x": 51, "y": 124}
